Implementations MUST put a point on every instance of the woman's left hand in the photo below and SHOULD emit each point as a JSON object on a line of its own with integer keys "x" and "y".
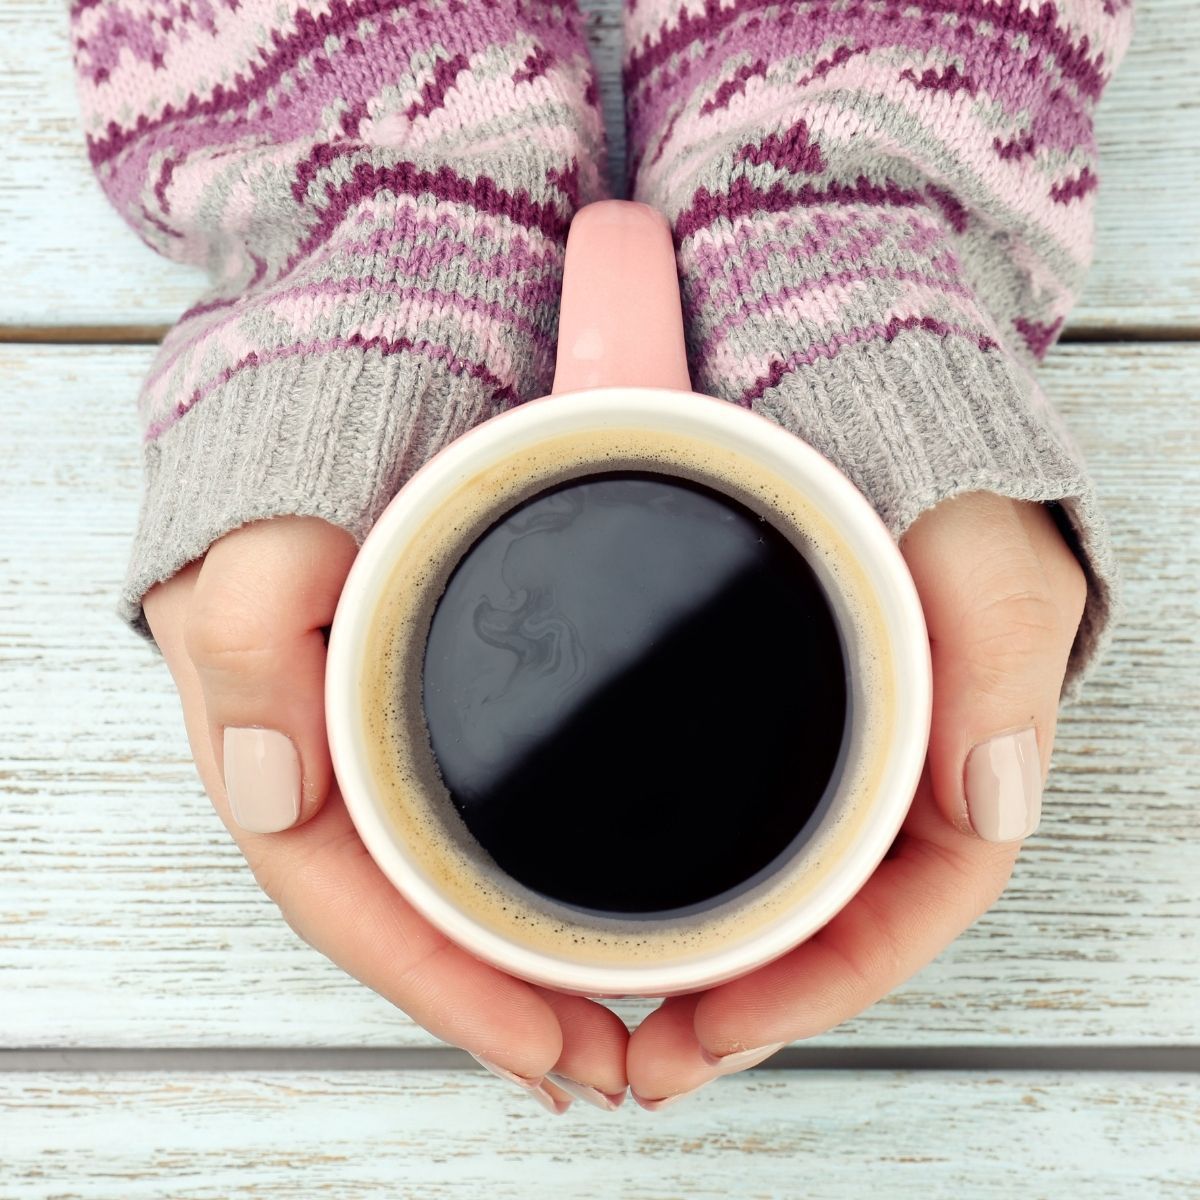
{"x": 1003, "y": 595}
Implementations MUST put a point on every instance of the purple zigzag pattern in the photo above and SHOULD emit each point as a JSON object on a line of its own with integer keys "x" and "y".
{"x": 287, "y": 127}
{"x": 1075, "y": 188}
{"x": 433, "y": 94}
{"x": 933, "y": 122}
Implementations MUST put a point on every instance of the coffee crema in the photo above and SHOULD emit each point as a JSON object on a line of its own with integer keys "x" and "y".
{"x": 558, "y": 907}
{"x": 613, "y": 668}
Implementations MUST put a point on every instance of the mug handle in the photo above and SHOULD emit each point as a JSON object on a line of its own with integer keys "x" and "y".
{"x": 620, "y": 324}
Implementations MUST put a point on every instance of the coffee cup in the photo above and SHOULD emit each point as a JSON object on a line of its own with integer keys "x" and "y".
{"x": 628, "y": 689}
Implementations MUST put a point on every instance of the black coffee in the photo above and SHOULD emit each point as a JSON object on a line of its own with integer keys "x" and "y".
{"x": 635, "y": 693}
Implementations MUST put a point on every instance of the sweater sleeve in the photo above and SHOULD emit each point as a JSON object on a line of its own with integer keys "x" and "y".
{"x": 379, "y": 192}
{"x": 883, "y": 214}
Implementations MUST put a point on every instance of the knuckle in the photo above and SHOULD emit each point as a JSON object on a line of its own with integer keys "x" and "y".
{"x": 221, "y": 631}
{"x": 1016, "y": 623}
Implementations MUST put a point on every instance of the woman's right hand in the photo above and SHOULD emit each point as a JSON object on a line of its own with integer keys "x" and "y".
{"x": 242, "y": 633}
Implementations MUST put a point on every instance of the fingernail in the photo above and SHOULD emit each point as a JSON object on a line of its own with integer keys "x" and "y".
{"x": 262, "y": 779}
{"x": 1003, "y": 782}
{"x": 743, "y": 1058}
{"x": 533, "y": 1085}
{"x": 658, "y": 1105}
{"x": 608, "y": 1101}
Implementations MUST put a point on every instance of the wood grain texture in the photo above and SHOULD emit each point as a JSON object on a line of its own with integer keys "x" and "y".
{"x": 66, "y": 258}
{"x": 427, "y": 1135}
{"x": 128, "y": 918}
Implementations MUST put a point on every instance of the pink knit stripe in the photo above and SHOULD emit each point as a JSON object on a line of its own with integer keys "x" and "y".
{"x": 942, "y": 119}
{"x": 1054, "y": 117}
{"x": 724, "y": 270}
{"x": 799, "y": 235}
{"x": 1026, "y": 184}
{"x": 900, "y": 25}
{"x": 823, "y": 290}
{"x": 475, "y": 338}
{"x": 321, "y": 77}
{"x": 405, "y": 178}
{"x": 197, "y": 135}
{"x": 1038, "y": 336}
{"x": 743, "y": 197}
{"x": 433, "y": 94}
{"x": 415, "y": 303}
{"x": 386, "y": 347}
{"x": 734, "y": 86}
{"x": 876, "y": 332}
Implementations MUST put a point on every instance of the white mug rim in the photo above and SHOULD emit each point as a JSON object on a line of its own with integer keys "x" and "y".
{"x": 624, "y": 406}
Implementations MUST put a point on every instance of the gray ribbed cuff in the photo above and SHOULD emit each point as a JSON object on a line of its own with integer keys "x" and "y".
{"x": 923, "y": 418}
{"x": 331, "y": 435}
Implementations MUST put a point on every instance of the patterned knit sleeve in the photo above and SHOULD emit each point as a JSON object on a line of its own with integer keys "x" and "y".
{"x": 883, "y": 213}
{"x": 379, "y": 191}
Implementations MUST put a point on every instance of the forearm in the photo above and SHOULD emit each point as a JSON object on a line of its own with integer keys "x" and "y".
{"x": 883, "y": 214}
{"x": 961, "y": 128}
{"x": 380, "y": 194}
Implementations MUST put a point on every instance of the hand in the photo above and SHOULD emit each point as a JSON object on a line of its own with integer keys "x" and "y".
{"x": 1003, "y": 596}
{"x": 242, "y": 633}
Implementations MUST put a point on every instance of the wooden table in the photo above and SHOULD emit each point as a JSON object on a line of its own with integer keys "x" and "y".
{"x": 162, "y": 1032}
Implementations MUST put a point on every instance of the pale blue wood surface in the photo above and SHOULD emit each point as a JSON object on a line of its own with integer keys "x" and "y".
{"x": 465, "y": 1136}
{"x": 127, "y": 918}
{"x": 130, "y": 919}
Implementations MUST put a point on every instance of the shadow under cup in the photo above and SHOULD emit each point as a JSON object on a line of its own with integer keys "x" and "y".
{"x": 728, "y": 896}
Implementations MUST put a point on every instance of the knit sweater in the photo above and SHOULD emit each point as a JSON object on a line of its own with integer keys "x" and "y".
{"x": 882, "y": 211}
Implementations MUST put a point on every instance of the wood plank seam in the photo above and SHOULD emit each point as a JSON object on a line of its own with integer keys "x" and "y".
{"x": 1179, "y": 1059}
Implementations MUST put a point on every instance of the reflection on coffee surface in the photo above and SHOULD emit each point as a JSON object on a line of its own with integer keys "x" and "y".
{"x": 635, "y": 692}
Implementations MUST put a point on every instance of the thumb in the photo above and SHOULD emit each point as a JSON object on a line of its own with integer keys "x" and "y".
{"x": 255, "y": 632}
{"x": 1002, "y": 595}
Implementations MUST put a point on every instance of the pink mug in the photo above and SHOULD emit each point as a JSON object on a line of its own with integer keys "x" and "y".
{"x": 621, "y": 386}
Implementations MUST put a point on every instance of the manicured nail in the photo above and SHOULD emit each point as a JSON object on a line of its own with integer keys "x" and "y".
{"x": 534, "y": 1086}
{"x": 743, "y": 1058}
{"x": 1003, "y": 782}
{"x": 658, "y": 1105}
{"x": 608, "y": 1101}
{"x": 262, "y": 778}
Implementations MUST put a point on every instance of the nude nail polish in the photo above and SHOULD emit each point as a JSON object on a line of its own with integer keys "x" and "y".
{"x": 536, "y": 1087}
{"x": 262, "y": 779}
{"x": 1003, "y": 783}
{"x": 607, "y": 1101}
{"x": 743, "y": 1058}
{"x": 659, "y": 1105}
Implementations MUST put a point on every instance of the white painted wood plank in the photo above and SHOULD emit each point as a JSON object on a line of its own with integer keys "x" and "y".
{"x": 128, "y": 918}
{"x": 67, "y": 259}
{"x": 425, "y": 1135}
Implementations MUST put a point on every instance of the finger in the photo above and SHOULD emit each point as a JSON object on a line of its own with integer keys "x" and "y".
{"x": 591, "y": 1066}
{"x": 1002, "y": 595}
{"x": 334, "y": 896}
{"x": 336, "y": 899}
{"x": 934, "y": 885}
{"x": 255, "y": 633}
{"x": 664, "y": 1060}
